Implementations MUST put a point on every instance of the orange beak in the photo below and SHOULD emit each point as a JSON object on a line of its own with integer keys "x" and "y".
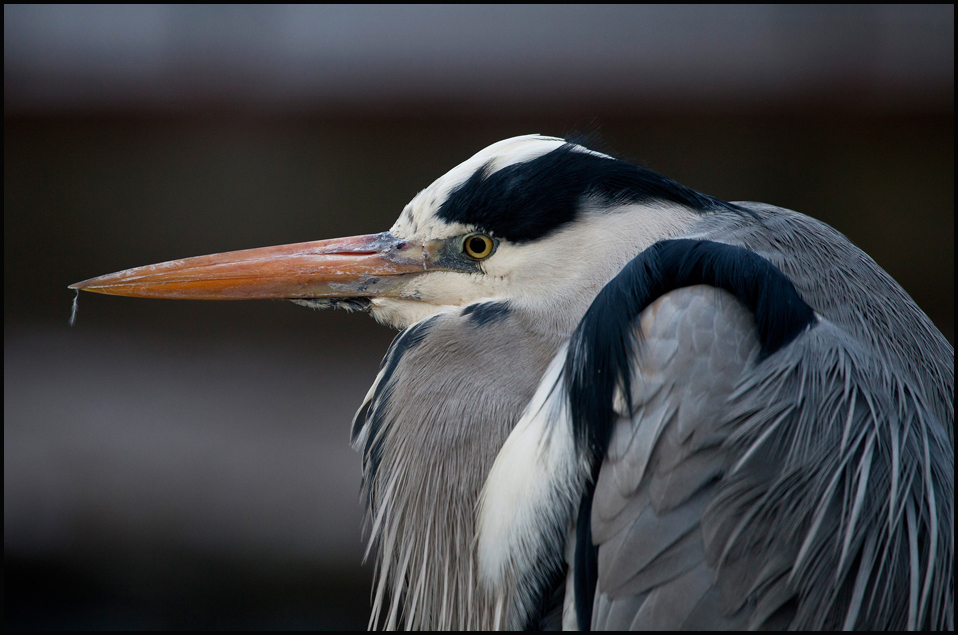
{"x": 359, "y": 266}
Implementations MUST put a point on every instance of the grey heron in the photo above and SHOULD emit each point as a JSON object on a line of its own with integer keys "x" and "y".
{"x": 619, "y": 403}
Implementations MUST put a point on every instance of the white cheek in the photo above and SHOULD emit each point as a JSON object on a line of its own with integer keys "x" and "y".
{"x": 586, "y": 252}
{"x": 436, "y": 292}
{"x": 399, "y": 313}
{"x": 454, "y": 288}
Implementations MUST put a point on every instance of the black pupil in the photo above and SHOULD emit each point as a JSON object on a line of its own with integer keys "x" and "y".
{"x": 477, "y": 245}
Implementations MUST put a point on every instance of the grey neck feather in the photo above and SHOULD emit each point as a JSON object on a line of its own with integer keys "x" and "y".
{"x": 447, "y": 409}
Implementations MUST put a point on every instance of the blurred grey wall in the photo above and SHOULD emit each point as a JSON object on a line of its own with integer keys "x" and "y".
{"x": 176, "y": 464}
{"x": 380, "y": 58}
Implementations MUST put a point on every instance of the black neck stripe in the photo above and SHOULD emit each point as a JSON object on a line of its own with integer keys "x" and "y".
{"x": 601, "y": 349}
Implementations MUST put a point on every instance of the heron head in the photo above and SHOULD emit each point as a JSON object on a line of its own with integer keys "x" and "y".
{"x": 532, "y": 219}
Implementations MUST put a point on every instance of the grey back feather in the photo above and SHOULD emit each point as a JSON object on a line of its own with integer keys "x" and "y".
{"x": 812, "y": 490}
{"x": 844, "y": 284}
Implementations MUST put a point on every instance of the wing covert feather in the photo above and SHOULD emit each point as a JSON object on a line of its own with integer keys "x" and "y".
{"x": 657, "y": 478}
{"x": 807, "y": 490}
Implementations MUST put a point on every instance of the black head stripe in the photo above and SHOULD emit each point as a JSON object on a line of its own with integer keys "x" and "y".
{"x": 601, "y": 350}
{"x": 529, "y": 200}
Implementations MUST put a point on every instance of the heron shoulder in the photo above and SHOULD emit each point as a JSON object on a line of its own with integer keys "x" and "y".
{"x": 521, "y": 514}
{"x": 695, "y": 342}
{"x": 770, "y": 492}
{"x": 721, "y": 421}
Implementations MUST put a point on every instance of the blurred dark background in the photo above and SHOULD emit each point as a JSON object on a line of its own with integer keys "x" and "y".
{"x": 176, "y": 464}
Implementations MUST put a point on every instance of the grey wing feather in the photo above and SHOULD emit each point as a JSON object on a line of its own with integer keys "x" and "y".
{"x": 663, "y": 462}
{"x": 813, "y": 489}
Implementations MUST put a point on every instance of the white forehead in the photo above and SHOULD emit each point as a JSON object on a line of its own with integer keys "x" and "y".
{"x": 418, "y": 217}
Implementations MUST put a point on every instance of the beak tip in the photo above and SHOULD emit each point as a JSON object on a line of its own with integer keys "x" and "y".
{"x": 85, "y": 285}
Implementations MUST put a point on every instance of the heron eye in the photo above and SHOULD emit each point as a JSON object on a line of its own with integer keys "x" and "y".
{"x": 478, "y": 246}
